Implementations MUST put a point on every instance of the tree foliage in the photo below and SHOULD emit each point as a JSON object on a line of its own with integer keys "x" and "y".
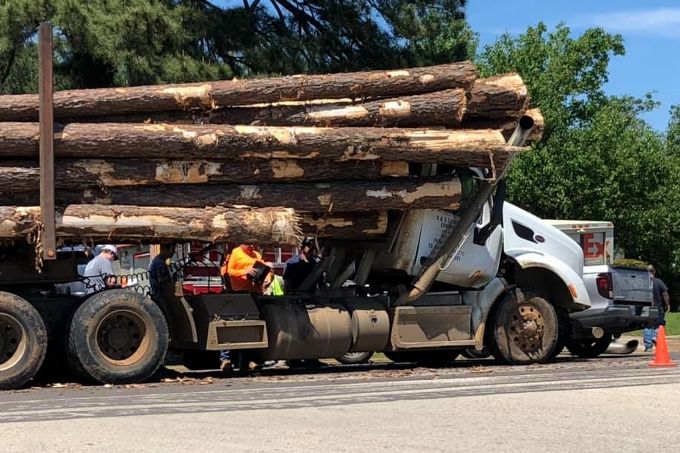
{"x": 131, "y": 42}
{"x": 598, "y": 160}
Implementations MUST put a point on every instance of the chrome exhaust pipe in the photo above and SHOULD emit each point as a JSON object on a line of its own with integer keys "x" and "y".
{"x": 522, "y": 131}
{"x": 628, "y": 347}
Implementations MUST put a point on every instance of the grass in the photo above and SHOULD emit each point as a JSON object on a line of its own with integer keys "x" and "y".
{"x": 672, "y": 325}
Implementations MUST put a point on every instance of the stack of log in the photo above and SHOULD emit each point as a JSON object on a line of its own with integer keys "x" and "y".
{"x": 256, "y": 160}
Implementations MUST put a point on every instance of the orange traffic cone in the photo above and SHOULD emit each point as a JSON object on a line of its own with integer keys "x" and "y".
{"x": 662, "y": 358}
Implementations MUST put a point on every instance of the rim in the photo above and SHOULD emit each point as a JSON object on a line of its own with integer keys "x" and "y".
{"x": 353, "y": 355}
{"x": 526, "y": 328}
{"x": 122, "y": 337}
{"x": 13, "y": 341}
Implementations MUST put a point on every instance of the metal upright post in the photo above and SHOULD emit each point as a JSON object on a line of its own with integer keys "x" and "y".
{"x": 46, "y": 141}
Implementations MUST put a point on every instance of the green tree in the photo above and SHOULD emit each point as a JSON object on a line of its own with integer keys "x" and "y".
{"x": 131, "y": 42}
{"x": 598, "y": 159}
{"x": 673, "y": 132}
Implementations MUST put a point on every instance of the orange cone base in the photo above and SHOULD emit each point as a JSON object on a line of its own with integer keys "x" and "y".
{"x": 669, "y": 364}
{"x": 662, "y": 358}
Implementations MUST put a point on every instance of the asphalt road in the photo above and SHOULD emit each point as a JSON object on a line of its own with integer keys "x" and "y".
{"x": 608, "y": 404}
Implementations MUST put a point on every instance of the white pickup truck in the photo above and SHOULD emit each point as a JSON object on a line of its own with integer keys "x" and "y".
{"x": 621, "y": 297}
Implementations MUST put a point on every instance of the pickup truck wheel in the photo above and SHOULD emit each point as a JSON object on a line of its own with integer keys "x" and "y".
{"x": 589, "y": 348}
{"x": 524, "y": 329}
{"x": 355, "y": 358}
{"x": 118, "y": 337}
{"x": 23, "y": 341}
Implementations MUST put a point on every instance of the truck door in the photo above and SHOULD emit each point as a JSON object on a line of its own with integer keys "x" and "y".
{"x": 473, "y": 266}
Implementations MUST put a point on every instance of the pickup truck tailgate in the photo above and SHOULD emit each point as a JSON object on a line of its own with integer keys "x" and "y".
{"x": 632, "y": 285}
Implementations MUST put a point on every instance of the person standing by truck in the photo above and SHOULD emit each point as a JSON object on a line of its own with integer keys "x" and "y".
{"x": 161, "y": 286}
{"x": 99, "y": 271}
{"x": 247, "y": 271}
{"x": 159, "y": 272}
{"x": 300, "y": 266}
{"x": 662, "y": 302}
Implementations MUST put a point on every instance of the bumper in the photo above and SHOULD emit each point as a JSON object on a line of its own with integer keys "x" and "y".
{"x": 616, "y": 318}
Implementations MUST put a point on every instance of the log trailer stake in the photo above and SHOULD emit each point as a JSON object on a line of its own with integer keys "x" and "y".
{"x": 49, "y": 241}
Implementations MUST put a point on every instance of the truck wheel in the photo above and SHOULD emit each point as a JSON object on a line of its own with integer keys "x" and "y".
{"x": 563, "y": 329}
{"x": 118, "y": 337}
{"x": 472, "y": 353}
{"x": 524, "y": 329}
{"x": 589, "y": 348}
{"x": 424, "y": 358}
{"x": 355, "y": 358}
{"x": 23, "y": 341}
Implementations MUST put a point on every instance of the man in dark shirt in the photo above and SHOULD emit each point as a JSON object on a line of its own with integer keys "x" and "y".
{"x": 662, "y": 302}
{"x": 299, "y": 267}
{"x": 160, "y": 279}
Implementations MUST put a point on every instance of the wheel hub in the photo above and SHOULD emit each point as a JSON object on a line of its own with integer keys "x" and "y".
{"x": 11, "y": 340}
{"x": 527, "y": 328}
{"x": 120, "y": 335}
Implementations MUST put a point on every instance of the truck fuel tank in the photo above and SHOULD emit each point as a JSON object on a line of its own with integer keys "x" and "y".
{"x": 370, "y": 325}
{"x": 300, "y": 329}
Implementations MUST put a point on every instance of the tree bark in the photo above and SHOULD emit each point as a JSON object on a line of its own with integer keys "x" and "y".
{"x": 113, "y": 140}
{"x": 345, "y": 225}
{"x": 20, "y": 178}
{"x": 442, "y": 108}
{"x": 498, "y": 97}
{"x": 149, "y": 224}
{"x": 437, "y": 192}
{"x": 210, "y": 95}
{"x": 507, "y": 125}
{"x": 536, "y": 134}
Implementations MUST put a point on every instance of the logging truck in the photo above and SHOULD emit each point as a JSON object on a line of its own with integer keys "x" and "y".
{"x": 489, "y": 275}
{"x": 399, "y": 174}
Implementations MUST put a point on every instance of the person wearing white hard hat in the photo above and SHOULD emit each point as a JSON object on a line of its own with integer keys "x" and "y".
{"x": 99, "y": 271}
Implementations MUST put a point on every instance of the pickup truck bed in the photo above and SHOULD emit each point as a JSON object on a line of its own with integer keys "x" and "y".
{"x": 621, "y": 299}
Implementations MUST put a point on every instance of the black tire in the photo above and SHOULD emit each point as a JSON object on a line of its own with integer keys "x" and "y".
{"x": 424, "y": 358}
{"x": 472, "y": 353}
{"x": 355, "y": 358}
{"x": 23, "y": 341}
{"x": 564, "y": 329}
{"x": 589, "y": 348}
{"x": 118, "y": 337}
{"x": 201, "y": 360}
{"x": 524, "y": 329}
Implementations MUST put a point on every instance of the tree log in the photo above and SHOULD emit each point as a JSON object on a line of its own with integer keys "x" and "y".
{"x": 20, "y": 178}
{"x": 345, "y": 225}
{"x": 113, "y": 140}
{"x": 209, "y": 95}
{"x": 536, "y": 134}
{"x": 502, "y": 97}
{"x": 436, "y": 192}
{"x": 79, "y": 222}
{"x": 507, "y": 126}
{"x": 442, "y": 108}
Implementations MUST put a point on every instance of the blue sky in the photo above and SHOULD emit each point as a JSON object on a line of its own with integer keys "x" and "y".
{"x": 650, "y": 28}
